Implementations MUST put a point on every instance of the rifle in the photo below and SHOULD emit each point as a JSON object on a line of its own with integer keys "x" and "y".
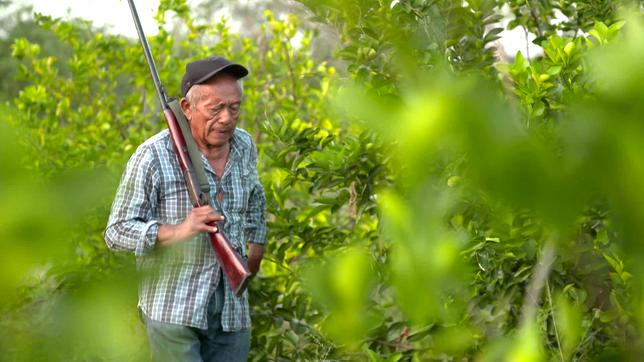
{"x": 228, "y": 258}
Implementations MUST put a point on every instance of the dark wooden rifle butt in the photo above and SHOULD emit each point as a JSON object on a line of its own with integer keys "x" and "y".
{"x": 236, "y": 269}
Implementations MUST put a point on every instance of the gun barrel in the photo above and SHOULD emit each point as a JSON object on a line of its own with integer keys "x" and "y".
{"x": 148, "y": 56}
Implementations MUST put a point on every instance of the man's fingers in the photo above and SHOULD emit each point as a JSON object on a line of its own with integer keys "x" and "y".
{"x": 212, "y": 217}
{"x": 209, "y": 228}
{"x": 205, "y": 214}
{"x": 204, "y": 210}
{"x": 200, "y": 217}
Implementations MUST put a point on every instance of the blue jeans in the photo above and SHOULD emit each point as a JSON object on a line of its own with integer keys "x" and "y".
{"x": 177, "y": 343}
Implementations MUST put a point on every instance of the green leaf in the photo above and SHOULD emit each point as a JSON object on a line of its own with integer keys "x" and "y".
{"x": 554, "y": 70}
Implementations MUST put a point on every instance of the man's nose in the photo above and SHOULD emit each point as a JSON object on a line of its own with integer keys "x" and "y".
{"x": 226, "y": 116}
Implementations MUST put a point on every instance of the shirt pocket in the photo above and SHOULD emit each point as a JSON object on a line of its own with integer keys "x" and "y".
{"x": 240, "y": 189}
{"x": 174, "y": 203}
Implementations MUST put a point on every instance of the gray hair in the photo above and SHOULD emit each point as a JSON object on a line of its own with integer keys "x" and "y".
{"x": 194, "y": 95}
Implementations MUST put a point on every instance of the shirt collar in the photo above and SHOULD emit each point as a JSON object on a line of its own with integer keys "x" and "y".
{"x": 235, "y": 152}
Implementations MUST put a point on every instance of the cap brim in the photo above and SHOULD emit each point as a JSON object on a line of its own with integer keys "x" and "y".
{"x": 238, "y": 71}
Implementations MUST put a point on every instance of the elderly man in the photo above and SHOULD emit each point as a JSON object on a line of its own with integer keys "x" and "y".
{"x": 190, "y": 311}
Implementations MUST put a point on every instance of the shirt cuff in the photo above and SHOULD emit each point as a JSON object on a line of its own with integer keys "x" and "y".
{"x": 148, "y": 238}
{"x": 257, "y": 235}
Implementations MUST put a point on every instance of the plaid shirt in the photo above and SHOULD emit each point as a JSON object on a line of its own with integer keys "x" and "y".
{"x": 178, "y": 280}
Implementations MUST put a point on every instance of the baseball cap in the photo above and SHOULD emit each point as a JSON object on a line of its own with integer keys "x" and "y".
{"x": 199, "y": 71}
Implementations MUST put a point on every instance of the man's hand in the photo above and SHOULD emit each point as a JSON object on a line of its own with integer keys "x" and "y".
{"x": 255, "y": 255}
{"x": 196, "y": 222}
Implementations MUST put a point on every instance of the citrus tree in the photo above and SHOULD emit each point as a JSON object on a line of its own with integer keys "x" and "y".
{"x": 506, "y": 232}
{"x": 79, "y": 118}
{"x": 429, "y": 201}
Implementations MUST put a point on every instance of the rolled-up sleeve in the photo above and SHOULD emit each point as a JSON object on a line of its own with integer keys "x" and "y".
{"x": 131, "y": 225}
{"x": 255, "y": 216}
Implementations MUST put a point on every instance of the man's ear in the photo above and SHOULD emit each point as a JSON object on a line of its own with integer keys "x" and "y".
{"x": 186, "y": 108}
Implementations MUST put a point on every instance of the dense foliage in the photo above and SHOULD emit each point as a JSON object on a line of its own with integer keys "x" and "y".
{"x": 429, "y": 202}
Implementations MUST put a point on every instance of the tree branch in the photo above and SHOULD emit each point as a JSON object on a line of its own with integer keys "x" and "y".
{"x": 539, "y": 279}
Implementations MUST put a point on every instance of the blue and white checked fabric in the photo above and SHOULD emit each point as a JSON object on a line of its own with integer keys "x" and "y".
{"x": 178, "y": 280}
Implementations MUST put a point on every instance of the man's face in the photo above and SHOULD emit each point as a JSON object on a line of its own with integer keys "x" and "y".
{"x": 214, "y": 117}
